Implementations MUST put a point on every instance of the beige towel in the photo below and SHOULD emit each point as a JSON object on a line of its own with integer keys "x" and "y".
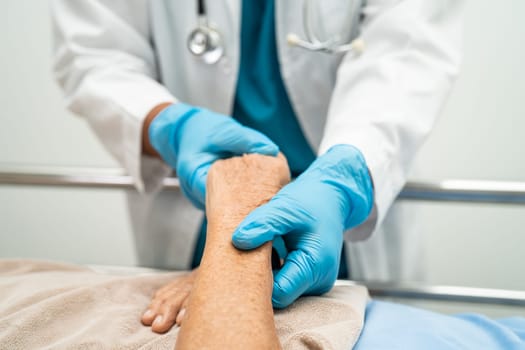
{"x": 45, "y": 305}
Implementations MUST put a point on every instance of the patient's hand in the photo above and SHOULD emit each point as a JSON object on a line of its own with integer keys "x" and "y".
{"x": 168, "y": 305}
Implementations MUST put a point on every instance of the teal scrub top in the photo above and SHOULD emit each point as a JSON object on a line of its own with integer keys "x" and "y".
{"x": 261, "y": 100}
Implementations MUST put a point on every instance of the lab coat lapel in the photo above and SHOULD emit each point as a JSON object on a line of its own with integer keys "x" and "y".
{"x": 309, "y": 92}
{"x": 229, "y": 12}
{"x": 234, "y": 10}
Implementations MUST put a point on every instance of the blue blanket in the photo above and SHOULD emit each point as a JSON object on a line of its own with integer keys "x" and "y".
{"x": 395, "y": 326}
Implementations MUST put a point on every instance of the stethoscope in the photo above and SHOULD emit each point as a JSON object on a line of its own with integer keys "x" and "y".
{"x": 205, "y": 42}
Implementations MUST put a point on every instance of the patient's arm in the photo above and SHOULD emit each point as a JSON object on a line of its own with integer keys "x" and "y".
{"x": 230, "y": 304}
{"x": 169, "y": 303}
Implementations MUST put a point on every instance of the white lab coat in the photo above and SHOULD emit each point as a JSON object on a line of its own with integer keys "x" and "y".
{"x": 117, "y": 59}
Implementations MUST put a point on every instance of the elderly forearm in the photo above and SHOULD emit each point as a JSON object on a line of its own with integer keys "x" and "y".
{"x": 230, "y": 305}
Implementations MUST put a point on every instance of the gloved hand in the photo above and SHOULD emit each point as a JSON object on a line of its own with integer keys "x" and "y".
{"x": 334, "y": 194}
{"x": 190, "y": 139}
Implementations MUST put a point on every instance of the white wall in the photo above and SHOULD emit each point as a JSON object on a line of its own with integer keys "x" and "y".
{"x": 72, "y": 225}
{"x": 478, "y": 136}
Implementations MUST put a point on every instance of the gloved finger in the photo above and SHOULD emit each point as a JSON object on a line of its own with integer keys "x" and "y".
{"x": 197, "y": 182}
{"x": 239, "y": 140}
{"x": 293, "y": 280}
{"x": 278, "y": 217}
{"x": 192, "y": 174}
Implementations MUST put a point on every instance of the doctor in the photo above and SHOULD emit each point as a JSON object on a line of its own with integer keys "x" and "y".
{"x": 347, "y": 90}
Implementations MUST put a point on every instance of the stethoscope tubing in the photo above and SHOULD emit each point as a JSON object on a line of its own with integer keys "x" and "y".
{"x": 205, "y": 42}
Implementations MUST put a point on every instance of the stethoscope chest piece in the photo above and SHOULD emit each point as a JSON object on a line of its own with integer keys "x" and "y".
{"x": 206, "y": 43}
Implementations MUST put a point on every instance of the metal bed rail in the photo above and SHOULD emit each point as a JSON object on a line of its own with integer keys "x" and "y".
{"x": 473, "y": 191}
{"x": 443, "y": 293}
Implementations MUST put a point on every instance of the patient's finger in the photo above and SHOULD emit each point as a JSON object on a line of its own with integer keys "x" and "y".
{"x": 153, "y": 310}
{"x": 169, "y": 310}
{"x": 181, "y": 282}
{"x": 174, "y": 297}
{"x": 170, "y": 287}
{"x": 180, "y": 316}
{"x": 172, "y": 293}
{"x": 166, "y": 319}
{"x": 175, "y": 284}
{"x": 182, "y": 312}
{"x": 148, "y": 317}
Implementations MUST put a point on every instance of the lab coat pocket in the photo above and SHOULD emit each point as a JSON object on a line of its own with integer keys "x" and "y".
{"x": 334, "y": 19}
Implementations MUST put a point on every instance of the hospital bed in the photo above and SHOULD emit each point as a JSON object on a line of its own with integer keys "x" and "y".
{"x": 444, "y": 299}
{"x": 433, "y": 297}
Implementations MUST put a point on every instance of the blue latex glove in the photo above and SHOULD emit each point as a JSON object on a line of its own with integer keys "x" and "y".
{"x": 190, "y": 139}
{"x": 334, "y": 194}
